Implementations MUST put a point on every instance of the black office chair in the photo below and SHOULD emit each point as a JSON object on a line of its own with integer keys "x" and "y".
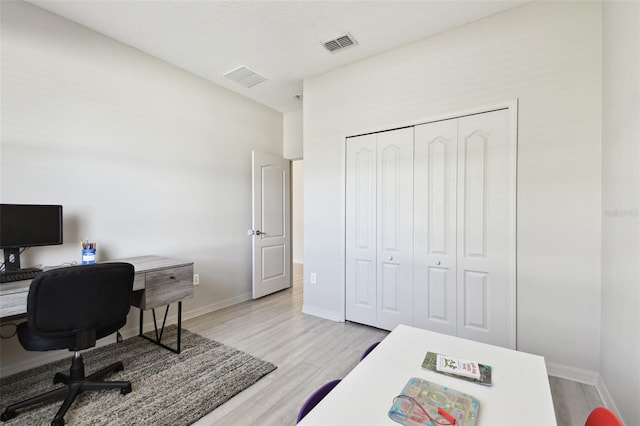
{"x": 71, "y": 308}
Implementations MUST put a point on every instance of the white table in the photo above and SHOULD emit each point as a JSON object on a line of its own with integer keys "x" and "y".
{"x": 520, "y": 394}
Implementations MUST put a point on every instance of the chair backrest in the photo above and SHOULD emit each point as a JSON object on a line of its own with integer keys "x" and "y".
{"x": 76, "y": 298}
{"x": 368, "y": 350}
{"x": 601, "y": 416}
{"x": 315, "y": 398}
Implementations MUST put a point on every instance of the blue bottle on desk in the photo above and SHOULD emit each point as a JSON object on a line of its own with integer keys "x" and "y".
{"x": 88, "y": 252}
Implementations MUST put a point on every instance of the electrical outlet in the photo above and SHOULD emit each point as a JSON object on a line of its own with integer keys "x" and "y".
{"x": 196, "y": 279}
{"x": 312, "y": 277}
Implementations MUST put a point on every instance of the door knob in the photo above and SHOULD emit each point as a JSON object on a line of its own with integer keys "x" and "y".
{"x": 438, "y": 262}
{"x": 256, "y": 232}
{"x": 390, "y": 257}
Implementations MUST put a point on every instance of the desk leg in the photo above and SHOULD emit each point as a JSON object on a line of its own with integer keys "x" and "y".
{"x": 179, "y": 325}
{"x": 159, "y": 332}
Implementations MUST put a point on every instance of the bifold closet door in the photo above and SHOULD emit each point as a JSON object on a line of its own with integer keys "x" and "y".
{"x": 464, "y": 263}
{"x": 379, "y": 229}
{"x": 436, "y": 157}
{"x": 486, "y": 229}
{"x": 395, "y": 228}
{"x": 361, "y": 224}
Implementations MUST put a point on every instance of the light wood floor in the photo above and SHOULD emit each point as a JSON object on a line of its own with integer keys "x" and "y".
{"x": 310, "y": 351}
{"x": 572, "y": 401}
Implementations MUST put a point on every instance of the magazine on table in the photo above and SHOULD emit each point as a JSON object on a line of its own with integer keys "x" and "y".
{"x": 471, "y": 371}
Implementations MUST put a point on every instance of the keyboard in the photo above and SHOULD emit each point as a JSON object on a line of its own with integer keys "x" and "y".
{"x": 22, "y": 274}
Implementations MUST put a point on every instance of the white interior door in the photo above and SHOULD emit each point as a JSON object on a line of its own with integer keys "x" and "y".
{"x": 486, "y": 229}
{"x": 271, "y": 224}
{"x": 435, "y": 226}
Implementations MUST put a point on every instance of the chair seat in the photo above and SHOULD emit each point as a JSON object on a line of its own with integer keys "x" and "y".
{"x": 34, "y": 341}
{"x": 368, "y": 350}
{"x": 601, "y": 416}
{"x": 315, "y": 398}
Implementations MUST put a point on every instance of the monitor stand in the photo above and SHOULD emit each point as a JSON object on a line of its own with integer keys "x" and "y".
{"x": 12, "y": 259}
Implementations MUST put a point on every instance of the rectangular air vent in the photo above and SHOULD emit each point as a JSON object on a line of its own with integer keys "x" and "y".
{"x": 340, "y": 43}
{"x": 244, "y": 76}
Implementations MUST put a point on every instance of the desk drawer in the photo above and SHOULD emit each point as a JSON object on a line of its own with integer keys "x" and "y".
{"x": 165, "y": 286}
{"x": 13, "y": 304}
{"x": 138, "y": 281}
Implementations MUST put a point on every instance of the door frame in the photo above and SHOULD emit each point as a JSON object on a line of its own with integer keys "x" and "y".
{"x": 512, "y": 107}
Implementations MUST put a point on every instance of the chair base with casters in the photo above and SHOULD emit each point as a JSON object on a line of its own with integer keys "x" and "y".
{"x": 75, "y": 383}
{"x": 71, "y": 308}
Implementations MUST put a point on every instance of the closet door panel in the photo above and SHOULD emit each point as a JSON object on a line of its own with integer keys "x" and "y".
{"x": 361, "y": 292}
{"x": 435, "y": 165}
{"x": 475, "y": 295}
{"x": 389, "y": 286}
{"x": 484, "y": 204}
{"x": 475, "y": 188}
{"x": 395, "y": 227}
{"x": 439, "y": 301}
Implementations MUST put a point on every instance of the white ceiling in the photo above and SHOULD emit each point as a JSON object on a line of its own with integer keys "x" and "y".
{"x": 281, "y": 40}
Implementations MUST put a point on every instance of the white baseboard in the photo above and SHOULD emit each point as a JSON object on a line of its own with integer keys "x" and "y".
{"x": 587, "y": 377}
{"x": 606, "y": 398}
{"x": 42, "y": 358}
{"x": 571, "y": 373}
{"x": 330, "y": 315}
{"x": 131, "y": 329}
{"x": 192, "y": 313}
{"x": 39, "y": 358}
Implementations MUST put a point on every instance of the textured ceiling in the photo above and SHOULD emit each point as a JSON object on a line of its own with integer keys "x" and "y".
{"x": 281, "y": 40}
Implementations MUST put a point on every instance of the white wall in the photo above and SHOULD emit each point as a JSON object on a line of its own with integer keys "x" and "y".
{"x": 546, "y": 54}
{"x": 292, "y": 135}
{"x": 292, "y": 150}
{"x": 297, "y": 210}
{"x": 144, "y": 157}
{"x": 620, "y": 336}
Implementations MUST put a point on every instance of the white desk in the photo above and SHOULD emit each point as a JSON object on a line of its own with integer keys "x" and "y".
{"x": 520, "y": 394}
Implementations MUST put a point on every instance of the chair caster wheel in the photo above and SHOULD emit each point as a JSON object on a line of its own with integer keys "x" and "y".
{"x": 7, "y": 415}
{"x": 58, "y": 378}
{"x": 126, "y": 390}
{"x": 119, "y": 367}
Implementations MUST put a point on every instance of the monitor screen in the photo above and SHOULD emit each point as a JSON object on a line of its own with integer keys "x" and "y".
{"x": 29, "y": 225}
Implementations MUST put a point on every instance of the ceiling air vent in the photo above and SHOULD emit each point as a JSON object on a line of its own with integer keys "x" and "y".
{"x": 340, "y": 43}
{"x": 244, "y": 76}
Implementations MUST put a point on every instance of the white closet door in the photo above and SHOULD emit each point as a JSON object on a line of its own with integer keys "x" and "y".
{"x": 361, "y": 224}
{"x": 435, "y": 249}
{"x": 435, "y": 226}
{"x": 395, "y": 228}
{"x": 486, "y": 231}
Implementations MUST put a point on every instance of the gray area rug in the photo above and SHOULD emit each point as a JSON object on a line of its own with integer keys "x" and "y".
{"x": 168, "y": 389}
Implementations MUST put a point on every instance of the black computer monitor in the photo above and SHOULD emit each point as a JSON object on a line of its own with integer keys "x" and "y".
{"x": 28, "y": 225}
